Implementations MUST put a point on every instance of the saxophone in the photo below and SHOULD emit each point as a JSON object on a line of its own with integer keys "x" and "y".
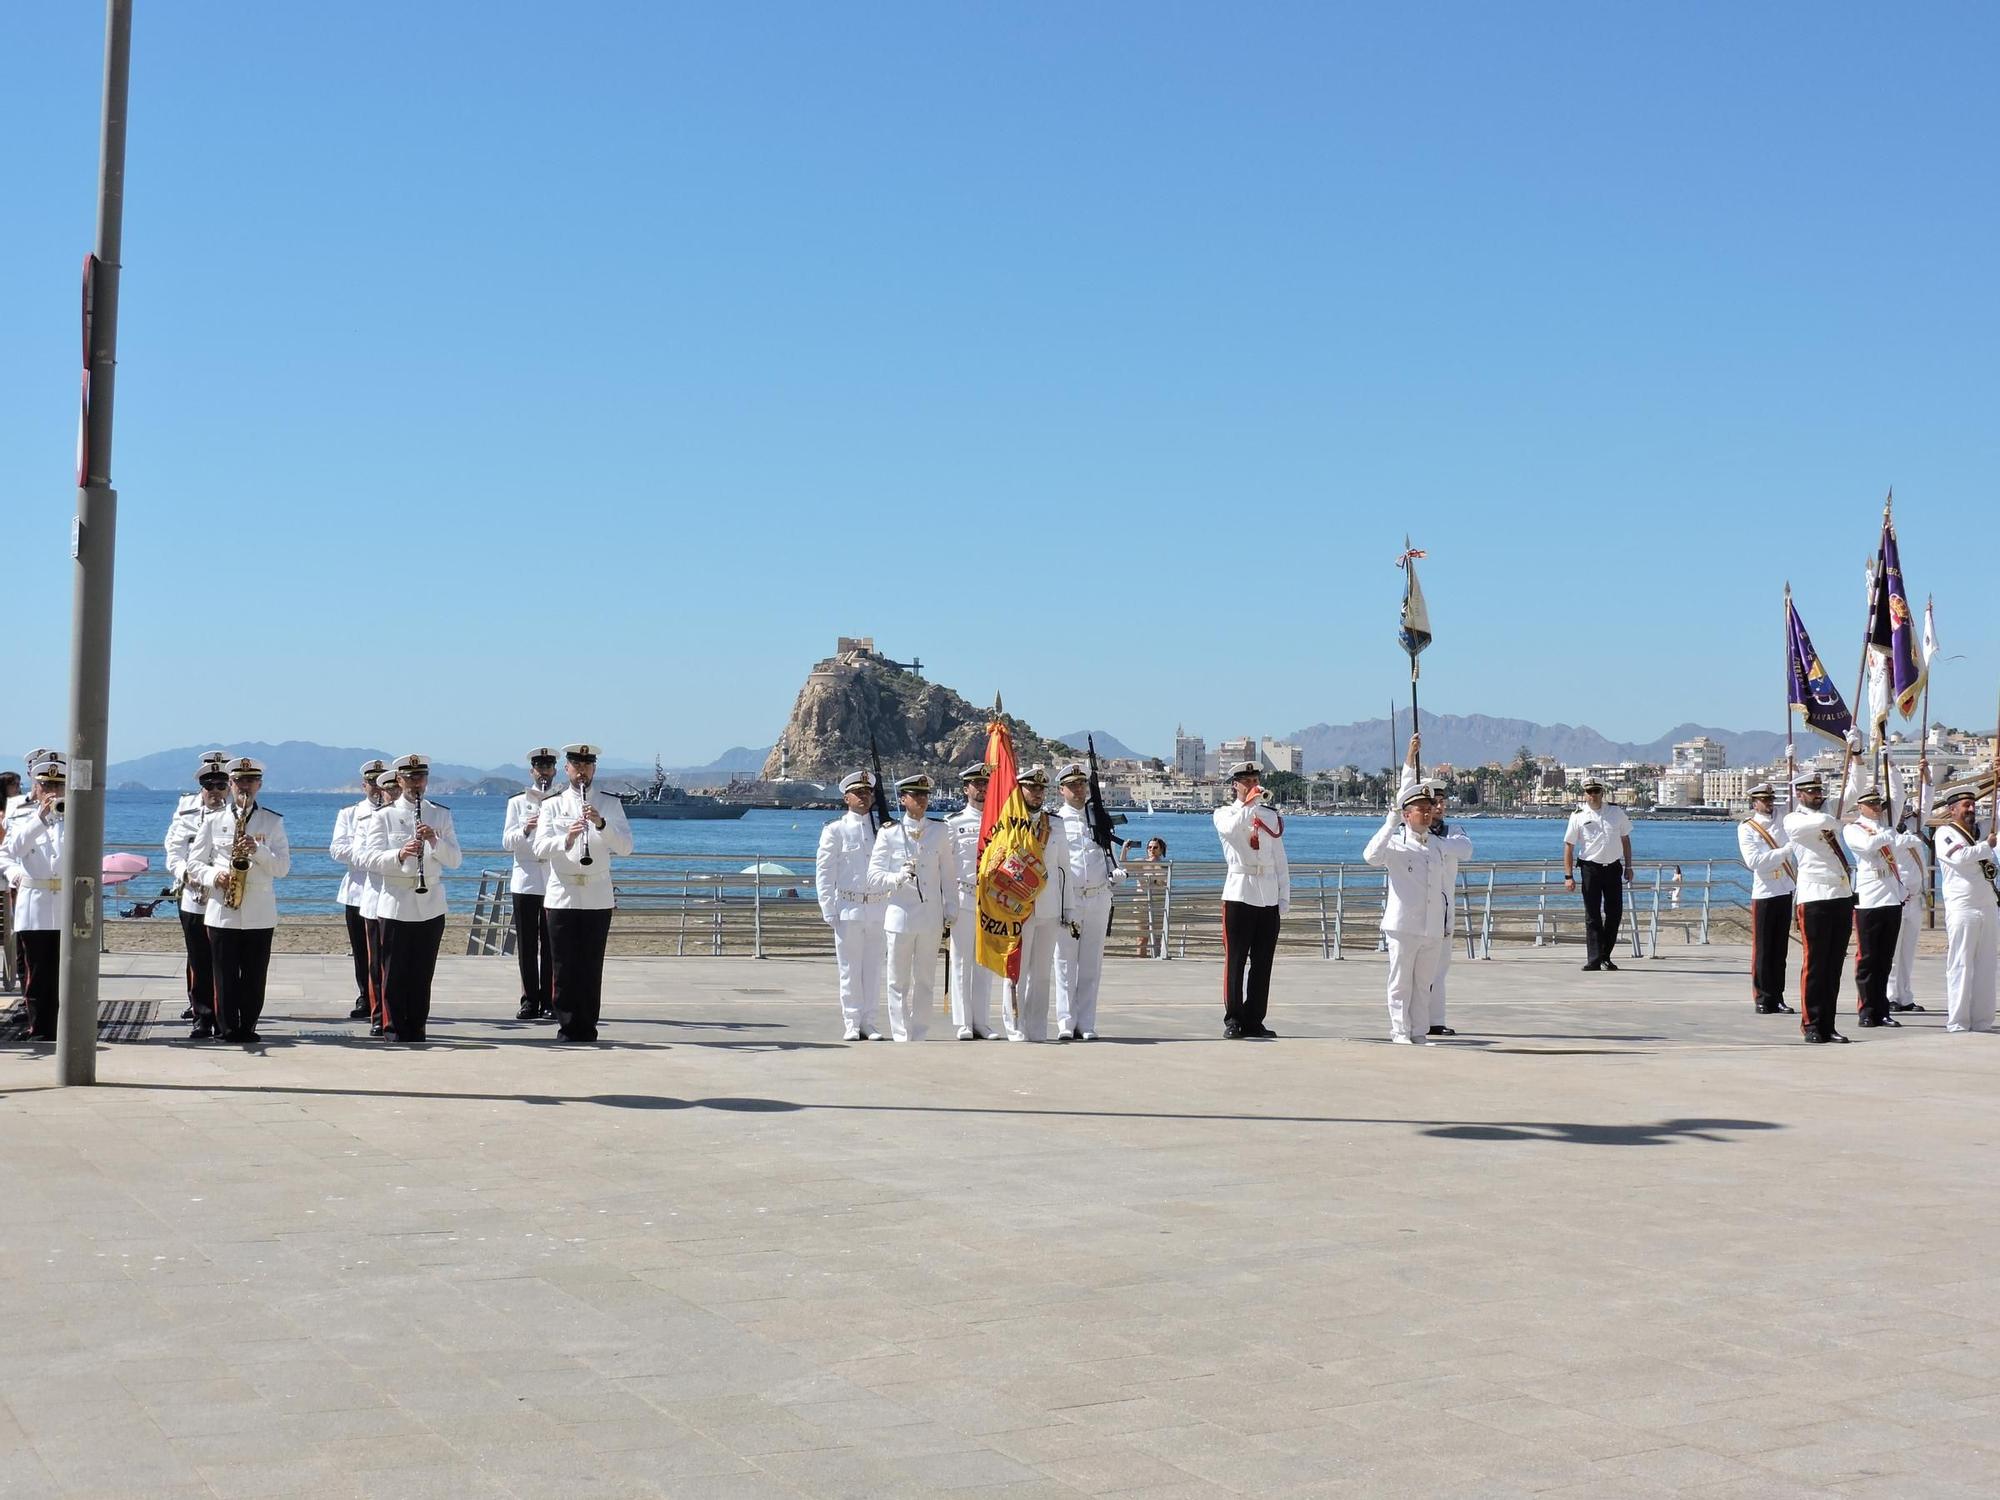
{"x": 240, "y": 851}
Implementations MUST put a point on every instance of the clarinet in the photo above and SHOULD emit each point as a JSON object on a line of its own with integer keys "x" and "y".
{"x": 582, "y": 800}
{"x": 422, "y": 889}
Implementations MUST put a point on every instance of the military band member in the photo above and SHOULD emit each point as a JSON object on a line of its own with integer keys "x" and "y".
{"x": 19, "y": 804}
{"x": 1967, "y": 868}
{"x": 1823, "y": 906}
{"x": 1454, "y": 846}
{"x": 1879, "y": 897}
{"x": 191, "y": 896}
{"x": 1910, "y": 863}
{"x": 1256, "y": 894}
{"x": 855, "y": 913}
{"x": 971, "y": 981}
{"x": 386, "y": 790}
{"x": 1025, "y": 1001}
{"x": 1413, "y": 916}
{"x": 240, "y": 852}
{"x": 32, "y": 849}
{"x": 346, "y": 852}
{"x": 409, "y": 845}
{"x": 578, "y": 835}
{"x": 529, "y": 884}
{"x": 1080, "y": 949}
{"x": 1598, "y": 845}
{"x": 914, "y": 867}
{"x": 1767, "y": 855}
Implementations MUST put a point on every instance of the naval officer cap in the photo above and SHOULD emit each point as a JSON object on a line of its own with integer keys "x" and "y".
{"x": 1964, "y": 789}
{"x": 917, "y": 783}
{"x": 977, "y": 771}
{"x": 49, "y": 768}
{"x": 584, "y": 751}
{"x": 1810, "y": 782}
{"x": 1874, "y": 795}
{"x": 386, "y": 780}
{"x": 1421, "y": 792}
{"x": 369, "y": 768}
{"x": 412, "y": 765}
{"x": 1246, "y": 768}
{"x": 214, "y": 766}
{"x": 857, "y": 781}
{"x": 1592, "y": 784}
{"x": 1074, "y": 771}
{"x": 1033, "y": 776}
{"x": 243, "y": 766}
{"x": 540, "y": 754}
{"x": 1761, "y": 789}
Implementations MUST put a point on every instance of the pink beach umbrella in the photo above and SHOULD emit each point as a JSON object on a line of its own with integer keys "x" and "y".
{"x": 119, "y": 868}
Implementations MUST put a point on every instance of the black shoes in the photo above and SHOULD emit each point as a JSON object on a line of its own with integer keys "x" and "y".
{"x": 1906, "y": 1006}
{"x": 1592, "y": 968}
{"x": 202, "y": 1034}
{"x": 1785, "y": 1009}
{"x": 361, "y": 1012}
{"x": 1834, "y": 1036}
{"x": 529, "y": 1011}
{"x": 1889, "y": 1021}
{"x": 1610, "y": 966}
{"x": 1769, "y": 1010}
{"x": 188, "y": 1014}
{"x": 375, "y": 1028}
{"x": 1442, "y": 1031}
{"x": 1232, "y": 1031}
{"x": 1261, "y": 1031}
{"x": 248, "y": 1038}
{"x": 1870, "y": 1021}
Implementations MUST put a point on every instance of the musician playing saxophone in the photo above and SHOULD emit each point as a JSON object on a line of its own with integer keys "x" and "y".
{"x": 409, "y": 845}
{"x": 1824, "y": 909}
{"x": 240, "y": 852}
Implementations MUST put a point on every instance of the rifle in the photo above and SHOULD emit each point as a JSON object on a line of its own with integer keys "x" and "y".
{"x": 1098, "y": 814}
{"x": 882, "y": 814}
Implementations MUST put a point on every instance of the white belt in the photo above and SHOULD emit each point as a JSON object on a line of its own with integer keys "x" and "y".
{"x": 409, "y": 880}
{"x": 1092, "y": 890}
{"x": 579, "y": 878}
{"x": 861, "y": 897}
{"x": 41, "y": 885}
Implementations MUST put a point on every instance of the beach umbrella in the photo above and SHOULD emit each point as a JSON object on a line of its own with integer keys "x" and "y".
{"x": 766, "y": 867}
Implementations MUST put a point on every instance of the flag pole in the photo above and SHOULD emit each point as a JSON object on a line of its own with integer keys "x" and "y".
{"x": 1861, "y": 678}
{"x": 1791, "y": 756}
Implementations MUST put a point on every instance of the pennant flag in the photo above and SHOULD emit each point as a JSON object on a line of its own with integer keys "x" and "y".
{"x": 1416, "y": 631}
{"x": 1930, "y": 638}
{"x": 1892, "y": 629}
{"x": 1813, "y": 695}
{"x": 1012, "y": 839}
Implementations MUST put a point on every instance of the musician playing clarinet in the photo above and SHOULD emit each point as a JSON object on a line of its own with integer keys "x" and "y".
{"x": 579, "y": 834}
{"x": 409, "y": 845}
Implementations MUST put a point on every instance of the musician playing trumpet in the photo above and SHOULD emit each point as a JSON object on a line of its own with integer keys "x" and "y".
{"x": 409, "y": 845}
{"x": 239, "y": 852}
{"x": 31, "y": 857}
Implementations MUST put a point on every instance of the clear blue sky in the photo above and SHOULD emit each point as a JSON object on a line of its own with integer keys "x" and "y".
{"x": 501, "y": 373}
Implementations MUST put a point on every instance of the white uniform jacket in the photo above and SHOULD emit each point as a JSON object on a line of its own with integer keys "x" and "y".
{"x": 915, "y": 867}
{"x": 1056, "y": 901}
{"x": 180, "y": 839}
{"x": 1872, "y": 846}
{"x": 1414, "y": 905}
{"x": 34, "y": 865}
{"x": 1455, "y": 846}
{"x": 1260, "y": 876}
{"x": 1767, "y": 855}
{"x": 840, "y": 868}
{"x": 345, "y": 847}
{"x": 18, "y": 808}
{"x": 1092, "y": 871}
{"x": 368, "y": 885}
{"x": 382, "y": 838}
{"x": 573, "y": 886}
{"x": 1966, "y": 868}
{"x": 964, "y": 826}
{"x": 531, "y": 872}
{"x": 1910, "y": 862}
{"x": 1819, "y": 854}
{"x": 270, "y": 860}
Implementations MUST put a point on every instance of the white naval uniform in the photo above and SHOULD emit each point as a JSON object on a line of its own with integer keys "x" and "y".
{"x": 33, "y": 853}
{"x": 856, "y": 915}
{"x": 1024, "y": 1003}
{"x": 1910, "y": 862}
{"x": 573, "y": 886}
{"x": 1080, "y": 959}
{"x": 187, "y": 821}
{"x": 382, "y": 840}
{"x": 1972, "y": 927}
{"x": 971, "y": 981}
{"x": 270, "y": 861}
{"x": 345, "y": 847}
{"x": 530, "y": 876}
{"x": 1456, "y": 847}
{"x": 1413, "y": 921}
{"x": 1878, "y": 882}
{"x": 368, "y": 885}
{"x": 914, "y": 868}
{"x": 1768, "y": 859}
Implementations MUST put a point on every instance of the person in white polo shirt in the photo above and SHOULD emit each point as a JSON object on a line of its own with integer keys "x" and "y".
{"x": 579, "y": 834}
{"x": 529, "y": 884}
{"x": 1766, "y": 853}
{"x": 346, "y": 852}
{"x": 240, "y": 852}
{"x": 410, "y": 844}
{"x": 855, "y": 913}
{"x": 1598, "y": 845}
{"x": 1967, "y": 870}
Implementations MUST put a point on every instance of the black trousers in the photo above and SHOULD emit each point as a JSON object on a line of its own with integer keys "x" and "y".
{"x": 1603, "y": 907}
{"x": 1249, "y": 940}
{"x": 378, "y": 969}
{"x": 200, "y": 967}
{"x": 411, "y": 961}
{"x": 576, "y": 964}
{"x": 357, "y": 944}
{"x": 532, "y": 949}
{"x": 1770, "y": 937}
{"x": 242, "y": 959}
{"x": 1875, "y": 931}
{"x": 1823, "y": 930}
{"x": 40, "y": 954}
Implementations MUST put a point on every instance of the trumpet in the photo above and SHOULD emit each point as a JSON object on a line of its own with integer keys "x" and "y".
{"x": 241, "y": 848}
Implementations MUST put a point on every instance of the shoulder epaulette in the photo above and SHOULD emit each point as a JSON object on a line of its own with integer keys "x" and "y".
{"x": 271, "y": 810}
{"x": 445, "y": 805}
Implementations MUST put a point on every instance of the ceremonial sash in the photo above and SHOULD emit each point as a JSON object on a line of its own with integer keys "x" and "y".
{"x": 1764, "y": 833}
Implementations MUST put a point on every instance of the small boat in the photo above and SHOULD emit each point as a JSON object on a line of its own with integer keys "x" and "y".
{"x": 665, "y": 800}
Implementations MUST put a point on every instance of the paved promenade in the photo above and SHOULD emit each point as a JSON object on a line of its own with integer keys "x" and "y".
{"x": 1622, "y": 1238}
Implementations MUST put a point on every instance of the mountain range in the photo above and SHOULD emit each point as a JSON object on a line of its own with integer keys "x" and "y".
{"x": 1109, "y": 746}
{"x": 303, "y": 766}
{"x": 1476, "y": 739}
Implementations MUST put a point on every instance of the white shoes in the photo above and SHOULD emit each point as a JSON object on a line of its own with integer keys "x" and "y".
{"x": 874, "y": 1036}
{"x": 965, "y": 1033}
{"x": 1402, "y": 1041}
{"x": 1087, "y": 1036}
{"x": 852, "y": 1034}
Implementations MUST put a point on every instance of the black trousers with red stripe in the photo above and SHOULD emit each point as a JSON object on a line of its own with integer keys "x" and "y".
{"x": 1249, "y": 942}
{"x": 1876, "y": 929}
{"x": 1770, "y": 937}
{"x": 1823, "y": 927}
{"x": 378, "y": 969}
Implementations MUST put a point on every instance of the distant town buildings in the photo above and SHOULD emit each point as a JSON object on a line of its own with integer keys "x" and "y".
{"x": 1700, "y": 754}
{"x": 1190, "y": 754}
{"x": 1280, "y": 755}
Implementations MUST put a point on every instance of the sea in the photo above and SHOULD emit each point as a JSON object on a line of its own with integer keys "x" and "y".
{"x": 136, "y": 822}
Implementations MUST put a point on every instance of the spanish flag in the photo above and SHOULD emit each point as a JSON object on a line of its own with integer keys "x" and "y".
{"x": 1011, "y": 871}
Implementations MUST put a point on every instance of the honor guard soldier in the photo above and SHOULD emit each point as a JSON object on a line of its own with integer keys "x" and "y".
{"x": 1413, "y": 918}
{"x": 409, "y": 845}
{"x": 578, "y": 836}
{"x": 1967, "y": 867}
{"x": 346, "y": 852}
{"x": 1080, "y": 947}
{"x": 1910, "y": 852}
{"x": 1256, "y": 894}
{"x": 1879, "y": 895}
{"x": 240, "y": 852}
{"x": 384, "y": 794}
{"x": 191, "y": 896}
{"x": 1823, "y": 906}
{"x": 1598, "y": 844}
{"x": 914, "y": 867}
{"x": 1455, "y": 848}
{"x": 529, "y": 884}
{"x": 1767, "y": 855}
{"x": 971, "y": 981}
{"x": 33, "y": 851}
{"x": 855, "y": 913}
{"x": 1025, "y": 1001}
